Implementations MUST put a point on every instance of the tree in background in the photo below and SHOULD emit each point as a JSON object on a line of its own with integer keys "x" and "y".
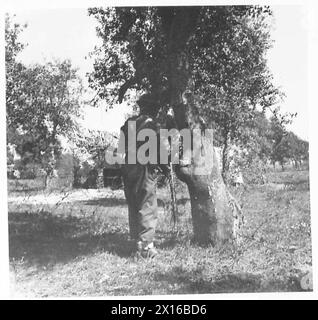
{"x": 51, "y": 103}
{"x": 14, "y": 82}
{"x": 231, "y": 75}
{"x": 207, "y": 64}
{"x": 89, "y": 149}
{"x": 42, "y": 103}
{"x": 301, "y": 153}
{"x": 253, "y": 148}
{"x": 287, "y": 146}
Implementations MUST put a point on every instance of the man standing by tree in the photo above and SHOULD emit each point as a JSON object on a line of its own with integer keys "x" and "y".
{"x": 140, "y": 181}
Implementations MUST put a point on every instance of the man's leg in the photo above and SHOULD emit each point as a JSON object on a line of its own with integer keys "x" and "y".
{"x": 146, "y": 200}
{"x": 130, "y": 176}
{"x": 132, "y": 216}
{"x": 140, "y": 192}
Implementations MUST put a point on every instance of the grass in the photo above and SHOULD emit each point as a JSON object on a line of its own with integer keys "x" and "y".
{"x": 77, "y": 244}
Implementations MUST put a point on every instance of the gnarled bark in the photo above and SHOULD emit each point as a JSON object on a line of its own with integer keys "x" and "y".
{"x": 216, "y": 215}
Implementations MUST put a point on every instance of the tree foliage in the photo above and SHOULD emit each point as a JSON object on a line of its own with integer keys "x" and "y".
{"x": 14, "y": 83}
{"x": 226, "y": 56}
{"x": 223, "y": 57}
{"x": 42, "y": 102}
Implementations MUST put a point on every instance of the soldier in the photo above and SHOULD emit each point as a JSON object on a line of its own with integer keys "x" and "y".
{"x": 140, "y": 183}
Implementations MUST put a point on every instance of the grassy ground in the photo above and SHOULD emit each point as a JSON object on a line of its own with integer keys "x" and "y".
{"x": 76, "y": 244}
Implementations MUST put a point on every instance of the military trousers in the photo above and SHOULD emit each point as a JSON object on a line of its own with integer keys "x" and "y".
{"x": 140, "y": 192}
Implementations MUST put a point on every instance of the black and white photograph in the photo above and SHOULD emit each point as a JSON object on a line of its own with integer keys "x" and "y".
{"x": 157, "y": 150}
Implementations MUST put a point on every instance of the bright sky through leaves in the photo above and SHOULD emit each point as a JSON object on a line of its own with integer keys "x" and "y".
{"x": 70, "y": 33}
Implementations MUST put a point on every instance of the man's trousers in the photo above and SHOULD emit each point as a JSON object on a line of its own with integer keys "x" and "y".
{"x": 140, "y": 192}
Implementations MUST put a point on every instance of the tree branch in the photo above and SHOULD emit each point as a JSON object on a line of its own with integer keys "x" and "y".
{"x": 123, "y": 89}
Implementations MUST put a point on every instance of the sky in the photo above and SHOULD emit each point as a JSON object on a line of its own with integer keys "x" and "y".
{"x": 70, "y": 33}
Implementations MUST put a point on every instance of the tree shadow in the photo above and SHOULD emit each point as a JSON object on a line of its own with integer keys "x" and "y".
{"x": 104, "y": 202}
{"x": 194, "y": 282}
{"x": 44, "y": 239}
{"x": 121, "y": 202}
{"x": 169, "y": 239}
{"x": 115, "y": 202}
{"x": 300, "y": 185}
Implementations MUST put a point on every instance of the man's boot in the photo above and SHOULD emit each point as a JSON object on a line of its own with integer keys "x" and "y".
{"x": 146, "y": 249}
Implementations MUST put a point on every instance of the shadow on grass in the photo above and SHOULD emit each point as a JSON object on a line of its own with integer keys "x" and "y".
{"x": 44, "y": 239}
{"x": 105, "y": 202}
{"x": 194, "y": 282}
{"x": 301, "y": 185}
{"x": 115, "y": 202}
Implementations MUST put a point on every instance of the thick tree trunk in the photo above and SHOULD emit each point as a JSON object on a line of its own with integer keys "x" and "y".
{"x": 216, "y": 215}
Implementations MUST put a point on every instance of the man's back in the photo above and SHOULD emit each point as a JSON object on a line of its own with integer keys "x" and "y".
{"x": 133, "y": 126}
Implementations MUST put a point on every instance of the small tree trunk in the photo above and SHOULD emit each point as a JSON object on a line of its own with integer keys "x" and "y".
{"x": 76, "y": 176}
{"x": 48, "y": 181}
{"x": 50, "y": 167}
{"x": 297, "y": 164}
{"x": 100, "y": 179}
{"x": 225, "y": 160}
{"x": 45, "y": 181}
